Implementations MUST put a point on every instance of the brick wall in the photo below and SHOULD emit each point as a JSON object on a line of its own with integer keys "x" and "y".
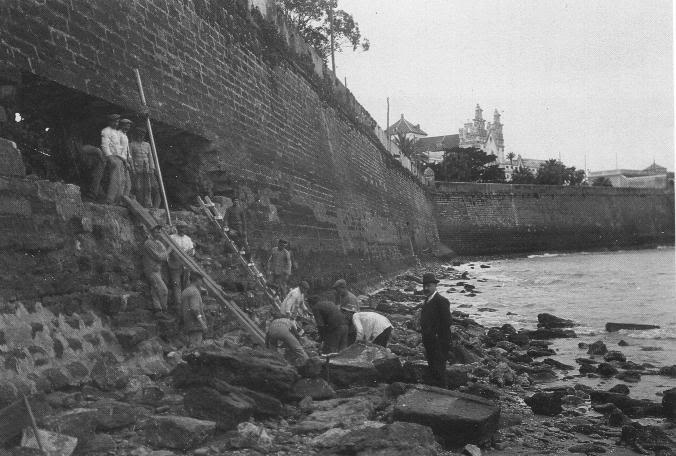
{"x": 304, "y": 170}
{"x": 500, "y": 218}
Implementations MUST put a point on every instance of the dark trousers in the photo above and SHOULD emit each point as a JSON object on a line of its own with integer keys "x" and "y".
{"x": 383, "y": 338}
{"x": 335, "y": 339}
{"x": 436, "y": 360}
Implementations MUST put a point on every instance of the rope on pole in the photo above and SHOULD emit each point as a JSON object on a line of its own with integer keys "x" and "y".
{"x": 152, "y": 145}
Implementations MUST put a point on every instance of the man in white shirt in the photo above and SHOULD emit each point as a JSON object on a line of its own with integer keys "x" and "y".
{"x": 369, "y": 326}
{"x": 116, "y": 155}
{"x": 179, "y": 275}
{"x": 294, "y": 303}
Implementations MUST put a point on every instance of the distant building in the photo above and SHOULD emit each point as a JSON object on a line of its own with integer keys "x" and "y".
{"x": 654, "y": 176}
{"x": 530, "y": 164}
{"x": 485, "y": 136}
{"x": 405, "y": 128}
{"x": 431, "y": 149}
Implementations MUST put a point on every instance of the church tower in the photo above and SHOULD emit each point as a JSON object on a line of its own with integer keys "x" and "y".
{"x": 479, "y": 122}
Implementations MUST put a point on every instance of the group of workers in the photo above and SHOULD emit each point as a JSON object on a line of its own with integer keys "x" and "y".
{"x": 126, "y": 159}
{"x": 339, "y": 321}
{"x": 335, "y": 320}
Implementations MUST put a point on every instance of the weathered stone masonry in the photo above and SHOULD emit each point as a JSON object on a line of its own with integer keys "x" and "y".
{"x": 305, "y": 171}
{"x": 493, "y": 219}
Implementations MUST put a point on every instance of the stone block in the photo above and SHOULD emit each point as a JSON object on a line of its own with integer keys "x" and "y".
{"x": 455, "y": 418}
{"x": 79, "y": 423}
{"x": 178, "y": 432}
{"x": 364, "y": 364}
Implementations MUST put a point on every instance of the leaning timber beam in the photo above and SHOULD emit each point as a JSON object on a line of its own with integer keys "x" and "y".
{"x": 216, "y": 291}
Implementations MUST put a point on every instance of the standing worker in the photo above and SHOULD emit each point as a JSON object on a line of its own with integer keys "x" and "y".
{"x": 194, "y": 320}
{"x": 236, "y": 225}
{"x": 331, "y": 325}
{"x": 370, "y": 326}
{"x": 435, "y": 324}
{"x": 279, "y": 267}
{"x": 294, "y": 303}
{"x": 154, "y": 256}
{"x": 285, "y": 330}
{"x": 344, "y": 297}
{"x": 146, "y": 188}
{"x": 179, "y": 275}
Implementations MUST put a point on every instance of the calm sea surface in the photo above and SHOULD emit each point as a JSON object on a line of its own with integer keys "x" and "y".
{"x": 637, "y": 286}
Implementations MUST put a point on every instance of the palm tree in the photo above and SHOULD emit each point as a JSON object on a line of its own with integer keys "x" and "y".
{"x": 405, "y": 144}
{"x": 510, "y": 157}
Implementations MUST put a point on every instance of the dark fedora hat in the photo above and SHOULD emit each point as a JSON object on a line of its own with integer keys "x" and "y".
{"x": 428, "y": 277}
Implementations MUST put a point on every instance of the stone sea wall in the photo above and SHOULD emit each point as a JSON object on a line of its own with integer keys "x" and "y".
{"x": 233, "y": 120}
{"x": 487, "y": 219}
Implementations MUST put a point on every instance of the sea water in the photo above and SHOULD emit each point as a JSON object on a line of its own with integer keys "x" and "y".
{"x": 637, "y": 286}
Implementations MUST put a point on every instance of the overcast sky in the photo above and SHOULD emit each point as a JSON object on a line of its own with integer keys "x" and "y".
{"x": 569, "y": 77}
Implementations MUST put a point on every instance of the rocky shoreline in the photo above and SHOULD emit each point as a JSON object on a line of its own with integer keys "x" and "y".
{"x": 227, "y": 398}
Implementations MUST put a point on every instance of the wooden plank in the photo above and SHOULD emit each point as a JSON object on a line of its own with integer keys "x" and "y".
{"x": 149, "y": 221}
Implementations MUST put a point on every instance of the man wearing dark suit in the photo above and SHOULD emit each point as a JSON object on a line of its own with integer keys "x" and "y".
{"x": 435, "y": 324}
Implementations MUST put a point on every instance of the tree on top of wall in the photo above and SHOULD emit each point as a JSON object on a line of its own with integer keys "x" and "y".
{"x": 311, "y": 19}
{"x": 522, "y": 175}
{"x": 554, "y": 172}
{"x": 405, "y": 144}
{"x": 468, "y": 165}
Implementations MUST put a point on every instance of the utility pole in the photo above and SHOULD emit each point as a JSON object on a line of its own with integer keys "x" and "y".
{"x": 333, "y": 57}
{"x": 389, "y": 138}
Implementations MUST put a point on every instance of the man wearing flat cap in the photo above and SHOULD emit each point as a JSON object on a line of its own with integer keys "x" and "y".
{"x": 279, "y": 267}
{"x": 435, "y": 323}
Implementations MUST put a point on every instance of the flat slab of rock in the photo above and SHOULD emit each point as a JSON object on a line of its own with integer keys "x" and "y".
{"x": 455, "y": 418}
{"x": 178, "y": 432}
{"x": 363, "y": 364}
{"x": 612, "y": 327}
{"x": 546, "y": 320}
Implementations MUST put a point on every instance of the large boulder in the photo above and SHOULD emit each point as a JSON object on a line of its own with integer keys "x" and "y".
{"x": 547, "y": 403}
{"x": 632, "y": 407}
{"x": 364, "y": 364}
{"x": 669, "y": 402}
{"x": 177, "y": 432}
{"x": 455, "y": 418}
{"x": 597, "y": 348}
{"x": 258, "y": 370}
{"x": 396, "y": 439}
{"x": 546, "y": 320}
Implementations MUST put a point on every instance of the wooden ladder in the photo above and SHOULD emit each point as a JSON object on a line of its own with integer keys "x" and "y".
{"x": 210, "y": 210}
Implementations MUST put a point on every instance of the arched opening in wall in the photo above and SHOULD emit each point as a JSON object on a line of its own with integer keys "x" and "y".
{"x": 51, "y": 124}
